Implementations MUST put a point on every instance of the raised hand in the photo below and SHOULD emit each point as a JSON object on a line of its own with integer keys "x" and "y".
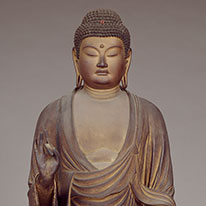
{"x": 47, "y": 158}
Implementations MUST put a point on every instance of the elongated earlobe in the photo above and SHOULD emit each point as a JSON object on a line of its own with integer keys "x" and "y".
{"x": 124, "y": 80}
{"x": 79, "y": 79}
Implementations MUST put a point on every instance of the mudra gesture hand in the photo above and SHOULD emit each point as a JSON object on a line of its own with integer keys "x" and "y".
{"x": 47, "y": 159}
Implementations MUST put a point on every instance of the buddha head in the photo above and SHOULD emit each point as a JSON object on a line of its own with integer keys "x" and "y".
{"x": 102, "y": 52}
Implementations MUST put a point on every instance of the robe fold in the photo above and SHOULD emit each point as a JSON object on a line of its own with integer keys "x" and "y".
{"x": 141, "y": 175}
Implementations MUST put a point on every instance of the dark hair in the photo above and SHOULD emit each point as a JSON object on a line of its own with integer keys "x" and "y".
{"x": 102, "y": 23}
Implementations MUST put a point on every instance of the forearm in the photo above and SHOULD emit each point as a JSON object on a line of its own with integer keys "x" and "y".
{"x": 45, "y": 190}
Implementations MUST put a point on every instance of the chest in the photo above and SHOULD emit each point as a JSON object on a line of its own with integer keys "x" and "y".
{"x": 101, "y": 126}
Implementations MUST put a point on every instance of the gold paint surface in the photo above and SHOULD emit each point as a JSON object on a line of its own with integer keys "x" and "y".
{"x": 101, "y": 145}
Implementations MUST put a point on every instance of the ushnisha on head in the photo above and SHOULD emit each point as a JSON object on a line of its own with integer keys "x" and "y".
{"x": 101, "y": 50}
{"x": 102, "y": 23}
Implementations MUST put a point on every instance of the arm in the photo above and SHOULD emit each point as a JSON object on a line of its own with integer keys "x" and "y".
{"x": 44, "y": 161}
{"x": 154, "y": 179}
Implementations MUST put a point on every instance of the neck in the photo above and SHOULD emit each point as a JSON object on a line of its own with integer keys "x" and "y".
{"x": 102, "y": 93}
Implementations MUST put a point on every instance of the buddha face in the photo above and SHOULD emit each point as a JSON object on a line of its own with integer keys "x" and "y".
{"x": 102, "y": 62}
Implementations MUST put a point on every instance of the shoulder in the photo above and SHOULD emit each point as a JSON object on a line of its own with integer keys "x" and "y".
{"x": 151, "y": 117}
{"x": 146, "y": 106}
{"x": 149, "y": 108}
{"x": 48, "y": 119}
{"x": 149, "y": 111}
{"x": 51, "y": 111}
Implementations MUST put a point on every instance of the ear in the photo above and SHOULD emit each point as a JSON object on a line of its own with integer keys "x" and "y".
{"x": 75, "y": 60}
{"x": 128, "y": 61}
{"x": 127, "y": 65}
{"x": 76, "y": 66}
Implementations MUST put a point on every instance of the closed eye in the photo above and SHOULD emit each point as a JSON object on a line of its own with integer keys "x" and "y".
{"x": 91, "y": 55}
{"x": 113, "y": 51}
{"x": 112, "y": 55}
{"x": 90, "y": 51}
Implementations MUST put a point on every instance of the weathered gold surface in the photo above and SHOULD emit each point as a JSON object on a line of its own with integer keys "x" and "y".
{"x": 101, "y": 145}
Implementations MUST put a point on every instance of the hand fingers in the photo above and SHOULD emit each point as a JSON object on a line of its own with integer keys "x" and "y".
{"x": 40, "y": 142}
{"x": 41, "y": 136}
{"x": 35, "y": 147}
{"x": 43, "y": 147}
{"x": 49, "y": 149}
{"x": 37, "y": 153}
{"x": 52, "y": 151}
{"x": 56, "y": 154}
{"x": 46, "y": 136}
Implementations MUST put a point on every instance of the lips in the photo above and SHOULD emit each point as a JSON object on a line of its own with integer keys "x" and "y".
{"x": 102, "y": 72}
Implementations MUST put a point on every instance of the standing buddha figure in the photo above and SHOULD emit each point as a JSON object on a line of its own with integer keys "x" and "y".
{"x": 101, "y": 144}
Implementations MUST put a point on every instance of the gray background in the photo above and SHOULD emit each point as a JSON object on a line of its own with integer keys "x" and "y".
{"x": 168, "y": 68}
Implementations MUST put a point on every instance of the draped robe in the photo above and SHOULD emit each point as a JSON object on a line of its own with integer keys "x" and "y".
{"x": 141, "y": 174}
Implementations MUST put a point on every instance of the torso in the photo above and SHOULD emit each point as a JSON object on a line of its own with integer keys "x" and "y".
{"x": 100, "y": 126}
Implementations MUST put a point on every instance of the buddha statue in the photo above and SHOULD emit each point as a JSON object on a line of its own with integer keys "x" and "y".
{"x": 101, "y": 144}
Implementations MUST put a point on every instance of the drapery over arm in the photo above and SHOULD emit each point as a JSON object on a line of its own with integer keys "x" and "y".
{"x": 47, "y": 121}
{"x": 153, "y": 182}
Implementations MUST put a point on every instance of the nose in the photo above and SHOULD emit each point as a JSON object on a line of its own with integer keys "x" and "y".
{"x": 102, "y": 63}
